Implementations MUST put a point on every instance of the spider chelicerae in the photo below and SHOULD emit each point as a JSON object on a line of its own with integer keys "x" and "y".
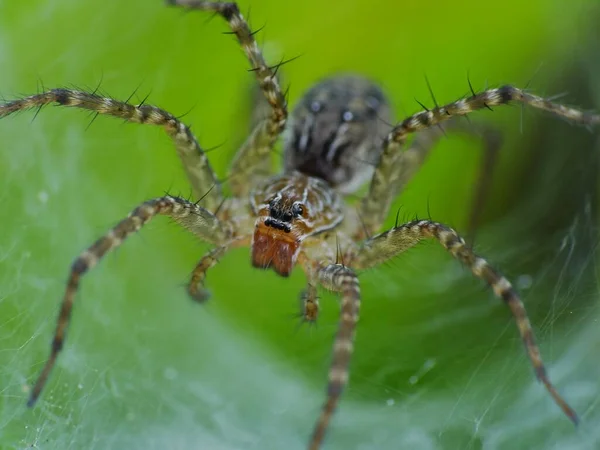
{"x": 336, "y": 139}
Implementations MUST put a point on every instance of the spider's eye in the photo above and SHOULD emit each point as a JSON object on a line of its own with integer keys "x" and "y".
{"x": 347, "y": 116}
{"x": 297, "y": 209}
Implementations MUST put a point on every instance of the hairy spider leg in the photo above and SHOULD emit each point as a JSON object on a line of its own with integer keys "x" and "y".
{"x": 381, "y": 248}
{"x": 253, "y": 159}
{"x": 376, "y": 204}
{"x": 338, "y": 278}
{"x": 198, "y": 169}
{"x": 386, "y": 245}
{"x": 194, "y": 218}
{"x": 196, "y": 288}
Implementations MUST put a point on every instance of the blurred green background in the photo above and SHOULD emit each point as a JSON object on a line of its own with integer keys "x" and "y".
{"x": 438, "y": 361}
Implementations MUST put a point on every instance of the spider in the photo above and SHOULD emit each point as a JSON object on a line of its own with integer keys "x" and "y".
{"x": 299, "y": 217}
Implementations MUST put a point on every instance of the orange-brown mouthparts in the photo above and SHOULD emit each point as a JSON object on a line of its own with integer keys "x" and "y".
{"x": 275, "y": 246}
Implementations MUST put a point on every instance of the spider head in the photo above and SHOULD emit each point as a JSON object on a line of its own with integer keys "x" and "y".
{"x": 290, "y": 208}
{"x": 336, "y": 131}
{"x": 285, "y": 212}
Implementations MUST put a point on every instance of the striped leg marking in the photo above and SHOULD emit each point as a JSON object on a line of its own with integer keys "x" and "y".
{"x": 384, "y": 246}
{"x": 253, "y": 159}
{"x": 189, "y": 215}
{"x": 199, "y": 171}
{"x": 338, "y": 278}
{"x": 387, "y": 173}
{"x": 196, "y": 288}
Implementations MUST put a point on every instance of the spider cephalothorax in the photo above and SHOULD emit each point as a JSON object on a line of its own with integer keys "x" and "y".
{"x": 337, "y": 138}
{"x": 290, "y": 208}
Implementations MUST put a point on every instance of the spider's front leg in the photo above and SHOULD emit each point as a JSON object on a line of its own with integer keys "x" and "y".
{"x": 338, "y": 278}
{"x": 194, "y": 218}
{"x": 380, "y": 195}
{"x": 253, "y": 159}
{"x": 200, "y": 174}
{"x": 384, "y": 246}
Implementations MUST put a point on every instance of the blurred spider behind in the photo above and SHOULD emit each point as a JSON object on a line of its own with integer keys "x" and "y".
{"x": 335, "y": 140}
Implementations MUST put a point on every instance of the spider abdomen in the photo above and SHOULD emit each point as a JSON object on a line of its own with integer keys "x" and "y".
{"x": 336, "y": 130}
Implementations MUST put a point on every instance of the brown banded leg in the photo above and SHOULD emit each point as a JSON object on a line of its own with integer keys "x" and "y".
{"x": 384, "y": 246}
{"x": 253, "y": 159}
{"x": 379, "y": 197}
{"x": 189, "y": 215}
{"x": 338, "y": 278}
{"x": 200, "y": 174}
{"x": 196, "y": 285}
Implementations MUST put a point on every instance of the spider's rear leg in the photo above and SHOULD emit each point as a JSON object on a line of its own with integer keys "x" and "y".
{"x": 189, "y": 215}
{"x": 394, "y": 175}
{"x": 394, "y": 142}
{"x": 200, "y": 174}
{"x": 254, "y": 156}
{"x": 385, "y": 246}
